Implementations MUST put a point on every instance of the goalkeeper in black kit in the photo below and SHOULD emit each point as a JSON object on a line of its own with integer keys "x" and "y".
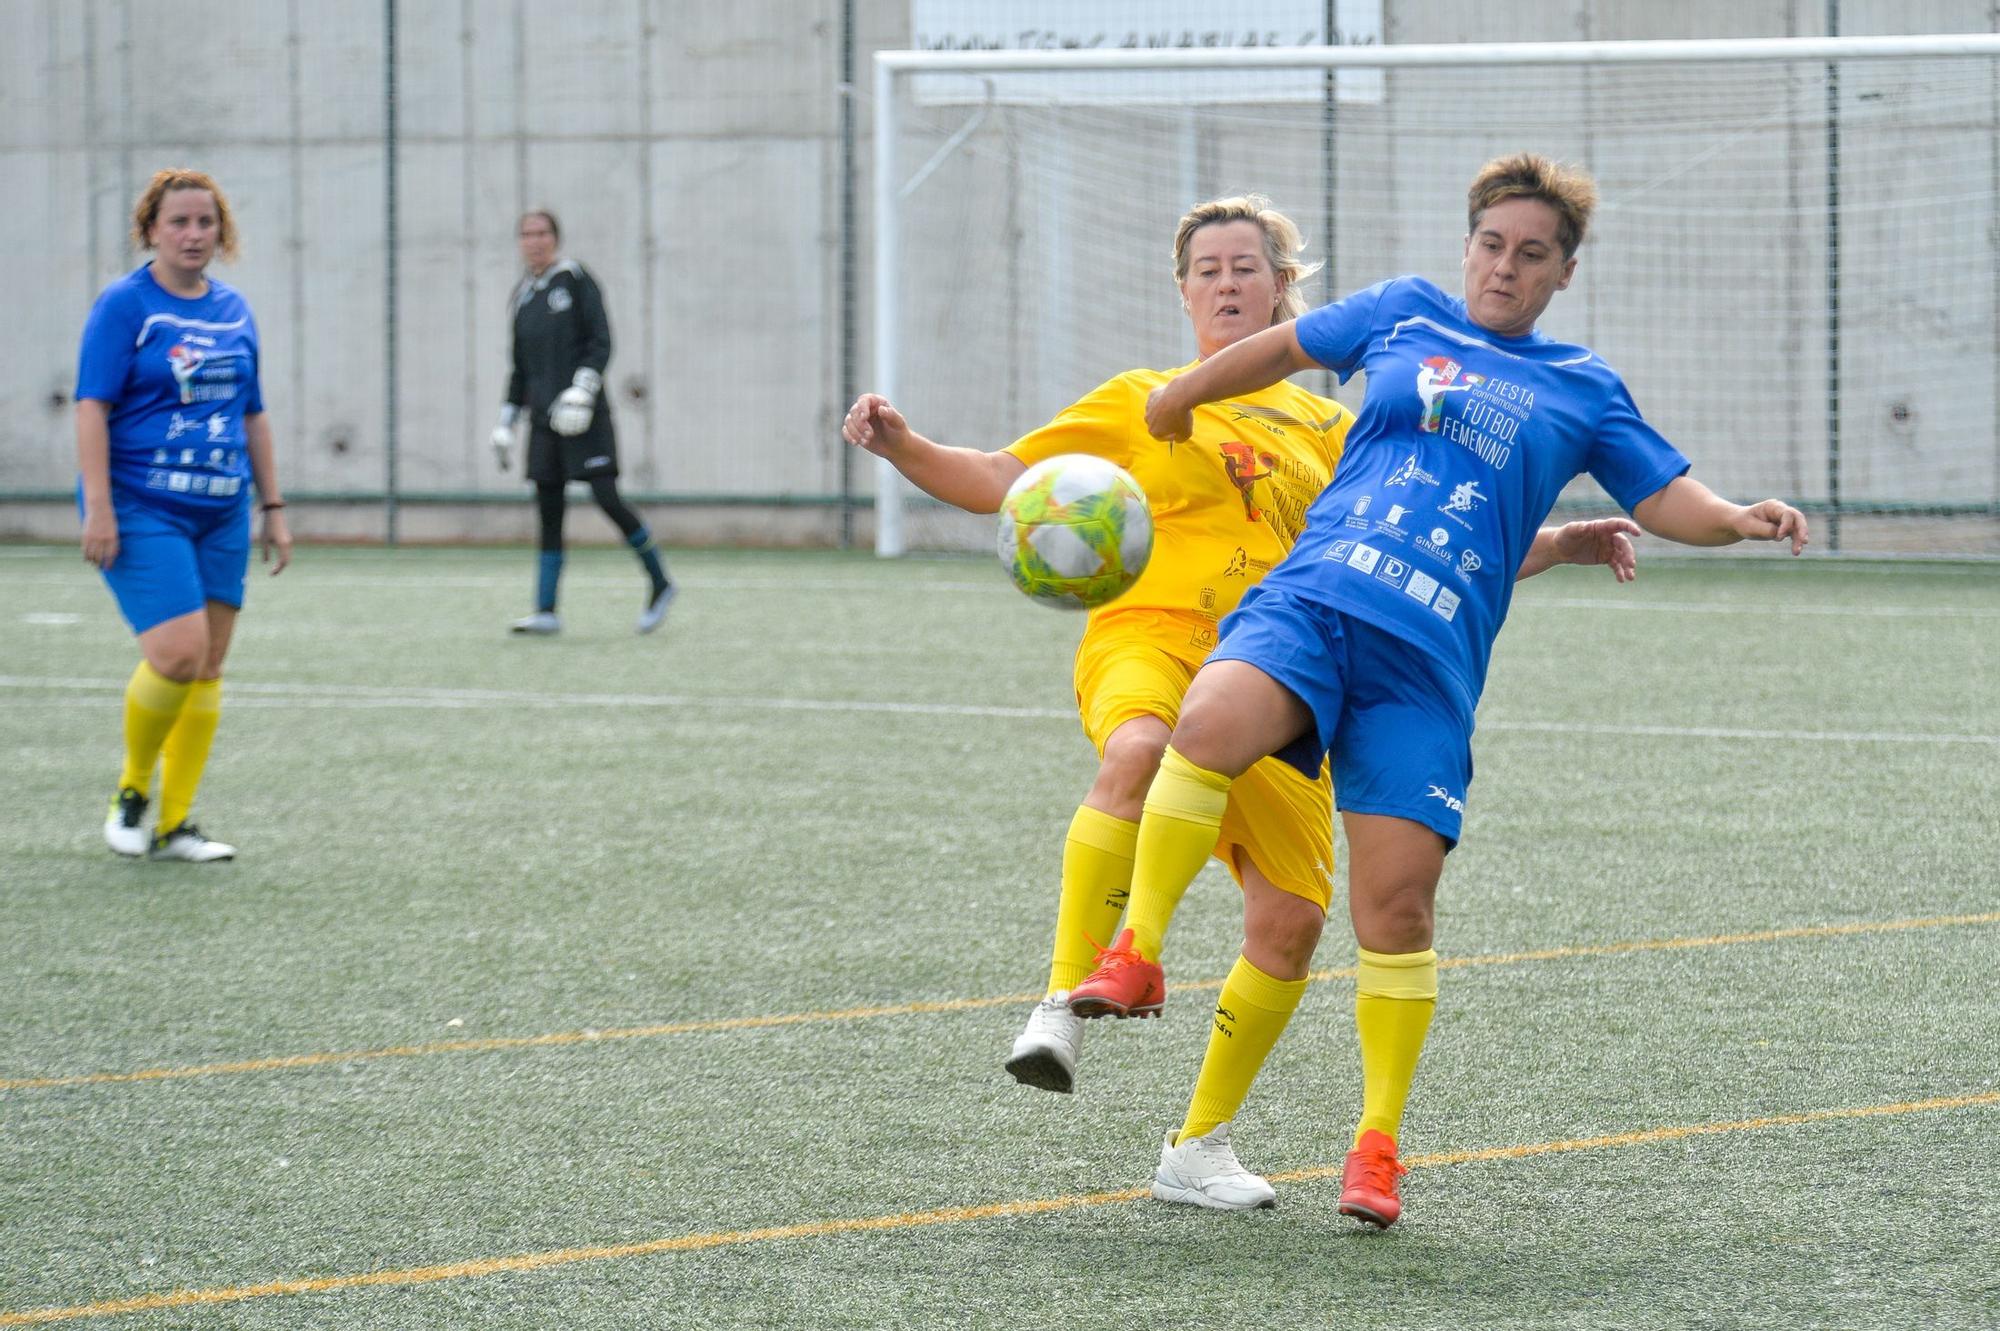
{"x": 562, "y": 342}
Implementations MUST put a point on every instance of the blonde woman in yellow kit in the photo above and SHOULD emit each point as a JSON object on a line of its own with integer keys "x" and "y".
{"x": 1227, "y": 504}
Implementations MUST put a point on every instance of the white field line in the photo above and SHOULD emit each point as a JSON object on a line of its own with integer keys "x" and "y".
{"x": 81, "y": 693}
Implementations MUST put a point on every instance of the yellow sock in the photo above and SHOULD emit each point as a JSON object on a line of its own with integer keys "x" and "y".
{"x": 1249, "y": 1017}
{"x": 1394, "y": 996}
{"x": 152, "y": 704}
{"x": 185, "y": 753}
{"x": 1176, "y": 836}
{"x": 1096, "y": 879}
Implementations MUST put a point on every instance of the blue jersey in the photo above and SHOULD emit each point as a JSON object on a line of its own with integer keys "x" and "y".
{"x": 178, "y": 376}
{"x": 1464, "y": 441}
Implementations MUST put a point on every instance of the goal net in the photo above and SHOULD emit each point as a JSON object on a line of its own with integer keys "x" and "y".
{"x": 1795, "y": 264}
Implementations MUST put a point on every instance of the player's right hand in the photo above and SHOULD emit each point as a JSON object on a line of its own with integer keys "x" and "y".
{"x": 873, "y": 424}
{"x": 100, "y": 537}
{"x": 503, "y": 444}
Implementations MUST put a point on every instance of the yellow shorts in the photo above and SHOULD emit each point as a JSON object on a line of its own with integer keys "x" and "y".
{"x": 1138, "y": 666}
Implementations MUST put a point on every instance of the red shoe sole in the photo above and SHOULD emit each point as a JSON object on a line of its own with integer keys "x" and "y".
{"x": 1369, "y": 1214}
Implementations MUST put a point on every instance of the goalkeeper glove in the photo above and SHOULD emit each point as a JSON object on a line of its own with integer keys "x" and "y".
{"x": 504, "y": 434}
{"x": 576, "y": 404}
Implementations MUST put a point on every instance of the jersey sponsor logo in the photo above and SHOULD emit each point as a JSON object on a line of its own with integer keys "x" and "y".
{"x": 1446, "y": 604}
{"x": 1358, "y": 515}
{"x": 1393, "y": 571}
{"x": 184, "y": 361}
{"x": 1361, "y": 505}
{"x": 1451, "y": 801}
{"x": 1364, "y": 558}
{"x": 1242, "y": 461}
{"x": 1239, "y": 563}
{"x": 1436, "y": 376}
{"x": 559, "y": 299}
{"x": 1465, "y": 498}
{"x": 1422, "y": 585}
{"x": 1469, "y": 561}
{"x": 1337, "y": 552}
{"x": 1410, "y": 473}
{"x": 1436, "y": 544}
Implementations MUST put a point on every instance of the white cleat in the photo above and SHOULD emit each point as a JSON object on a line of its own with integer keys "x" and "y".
{"x": 1204, "y": 1171}
{"x": 655, "y": 613}
{"x": 1045, "y": 1052}
{"x": 187, "y": 843}
{"x": 542, "y": 623}
{"x": 125, "y": 825}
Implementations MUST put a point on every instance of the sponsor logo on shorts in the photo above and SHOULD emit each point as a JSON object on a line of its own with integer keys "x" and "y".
{"x": 1420, "y": 588}
{"x": 1364, "y": 558}
{"x": 1446, "y": 604}
{"x": 1451, "y": 801}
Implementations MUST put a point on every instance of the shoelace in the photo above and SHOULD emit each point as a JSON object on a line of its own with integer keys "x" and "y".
{"x": 1379, "y": 1171}
{"x": 1219, "y": 1156}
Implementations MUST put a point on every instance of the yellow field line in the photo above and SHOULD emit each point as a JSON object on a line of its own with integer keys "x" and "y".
{"x": 559, "y": 1038}
{"x": 958, "y": 1215}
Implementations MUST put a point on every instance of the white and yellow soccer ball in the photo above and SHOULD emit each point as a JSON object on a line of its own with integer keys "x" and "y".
{"x": 1075, "y": 531}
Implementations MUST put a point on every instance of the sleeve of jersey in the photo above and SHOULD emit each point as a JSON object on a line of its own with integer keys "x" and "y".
{"x": 253, "y": 400}
{"x": 1337, "y": 335}
{"x": 1629, "y": 458}
{"x": 593, "y": 325}
{"x": 104, "y": 358}
{"x": 1100, "y": 423}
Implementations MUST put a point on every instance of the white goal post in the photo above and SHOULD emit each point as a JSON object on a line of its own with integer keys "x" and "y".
{"x": 1795, "y": 265}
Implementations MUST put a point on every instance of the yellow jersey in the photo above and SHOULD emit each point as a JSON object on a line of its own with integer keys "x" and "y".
{"x": 1227, "y": 503}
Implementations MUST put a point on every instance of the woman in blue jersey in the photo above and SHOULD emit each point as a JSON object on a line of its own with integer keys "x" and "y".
{"x": 171, "y": 439}
{"x": 1370, "y": 640}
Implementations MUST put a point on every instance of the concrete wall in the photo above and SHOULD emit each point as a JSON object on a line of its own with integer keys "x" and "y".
{"x": 693, "y": 154}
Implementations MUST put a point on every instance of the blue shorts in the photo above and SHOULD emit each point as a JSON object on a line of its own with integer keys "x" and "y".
{"x": 174, "y": 561}
{"x": 1398, "y": 729}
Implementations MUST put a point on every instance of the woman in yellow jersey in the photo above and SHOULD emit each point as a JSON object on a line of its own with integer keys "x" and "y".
{"x": 1227, "y": 505}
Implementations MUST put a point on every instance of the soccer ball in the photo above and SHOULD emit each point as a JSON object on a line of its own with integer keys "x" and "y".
{"x": 1075, "y": 531}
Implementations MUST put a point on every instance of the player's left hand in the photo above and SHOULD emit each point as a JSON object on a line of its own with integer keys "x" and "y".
{"x": 277, "y": 537}
{"x": 1600, "y": 541}
{"x": 572, "y": 411}
{"x": 1772, "y": 520}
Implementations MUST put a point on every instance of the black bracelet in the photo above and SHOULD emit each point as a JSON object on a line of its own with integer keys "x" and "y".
{"x": 266, "y": 508}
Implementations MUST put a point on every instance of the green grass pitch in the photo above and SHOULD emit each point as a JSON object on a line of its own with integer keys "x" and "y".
{"x": 609, "y": 981}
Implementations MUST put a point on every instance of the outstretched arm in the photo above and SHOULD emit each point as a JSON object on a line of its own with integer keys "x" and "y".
{"x": 1592, "y": 541}
{"x": 1687, "y": 511}
{"x": 1258, "y": 361}
{"x": 963, "y": 477}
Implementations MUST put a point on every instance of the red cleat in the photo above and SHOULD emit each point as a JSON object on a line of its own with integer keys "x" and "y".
{"x": 1124, "y": 984}
{"x": 1368, "y": 1184}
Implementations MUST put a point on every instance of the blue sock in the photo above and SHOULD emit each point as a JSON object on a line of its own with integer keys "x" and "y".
{"x": 545, "y": 584}
{"x": 649, "y": 555}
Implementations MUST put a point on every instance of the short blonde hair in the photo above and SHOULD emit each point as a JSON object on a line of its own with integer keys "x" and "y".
{"x": 1567, "y": 189}
{"x": 147, "y": 210}
{"x": 1282, "y": 245}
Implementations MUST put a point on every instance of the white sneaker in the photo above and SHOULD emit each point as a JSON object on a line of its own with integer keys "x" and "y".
{"x": 187, "y": 843}
{"x": 125, "y": 825}
{"x": 542, "y": 622}
{"x": 655, "y": 613}
{"x": 1204, "y": 1171}
{"x": 1046, "y": 1050}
